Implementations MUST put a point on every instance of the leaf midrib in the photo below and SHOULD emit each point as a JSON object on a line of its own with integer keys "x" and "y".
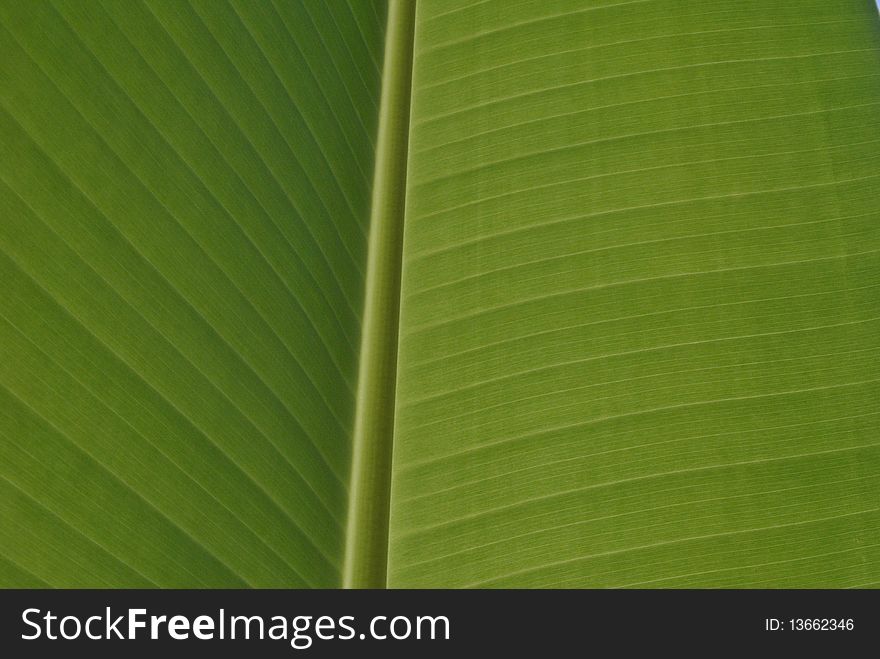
{"x": 366, "y": 543}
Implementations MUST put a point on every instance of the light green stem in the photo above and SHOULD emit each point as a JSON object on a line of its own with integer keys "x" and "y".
{"x": 366, "y": 548}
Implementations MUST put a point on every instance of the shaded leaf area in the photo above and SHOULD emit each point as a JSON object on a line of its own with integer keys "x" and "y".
{"x": 184, "y": 194}
{"x": 640, "y": 332}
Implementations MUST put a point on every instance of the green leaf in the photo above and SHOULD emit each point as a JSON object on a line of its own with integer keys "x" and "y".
{"x": 639, "y": 342}
{"x": 448, "y": 293}
{"x": 185, "y": 191}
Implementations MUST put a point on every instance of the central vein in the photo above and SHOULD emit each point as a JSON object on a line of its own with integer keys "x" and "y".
{"x": 366, "y": 549}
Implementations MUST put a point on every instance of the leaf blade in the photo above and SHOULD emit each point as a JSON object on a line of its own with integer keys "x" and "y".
{"x": 638, "y": 335}
{"x": 183, "y": 299}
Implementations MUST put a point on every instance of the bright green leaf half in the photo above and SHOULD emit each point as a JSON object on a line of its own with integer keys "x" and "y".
{"x": 640, "y": 342}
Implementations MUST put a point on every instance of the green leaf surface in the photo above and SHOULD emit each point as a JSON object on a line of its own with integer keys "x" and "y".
{"x": 185, "y": 193}
{"x": 444, "y": 293}
{"x": 639, "y": 334}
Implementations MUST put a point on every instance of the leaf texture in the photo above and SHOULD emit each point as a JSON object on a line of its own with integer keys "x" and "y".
{"x": 633, "y": 246}
{"x": 639, "y": 330}
{"x": 185, "y": 193}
